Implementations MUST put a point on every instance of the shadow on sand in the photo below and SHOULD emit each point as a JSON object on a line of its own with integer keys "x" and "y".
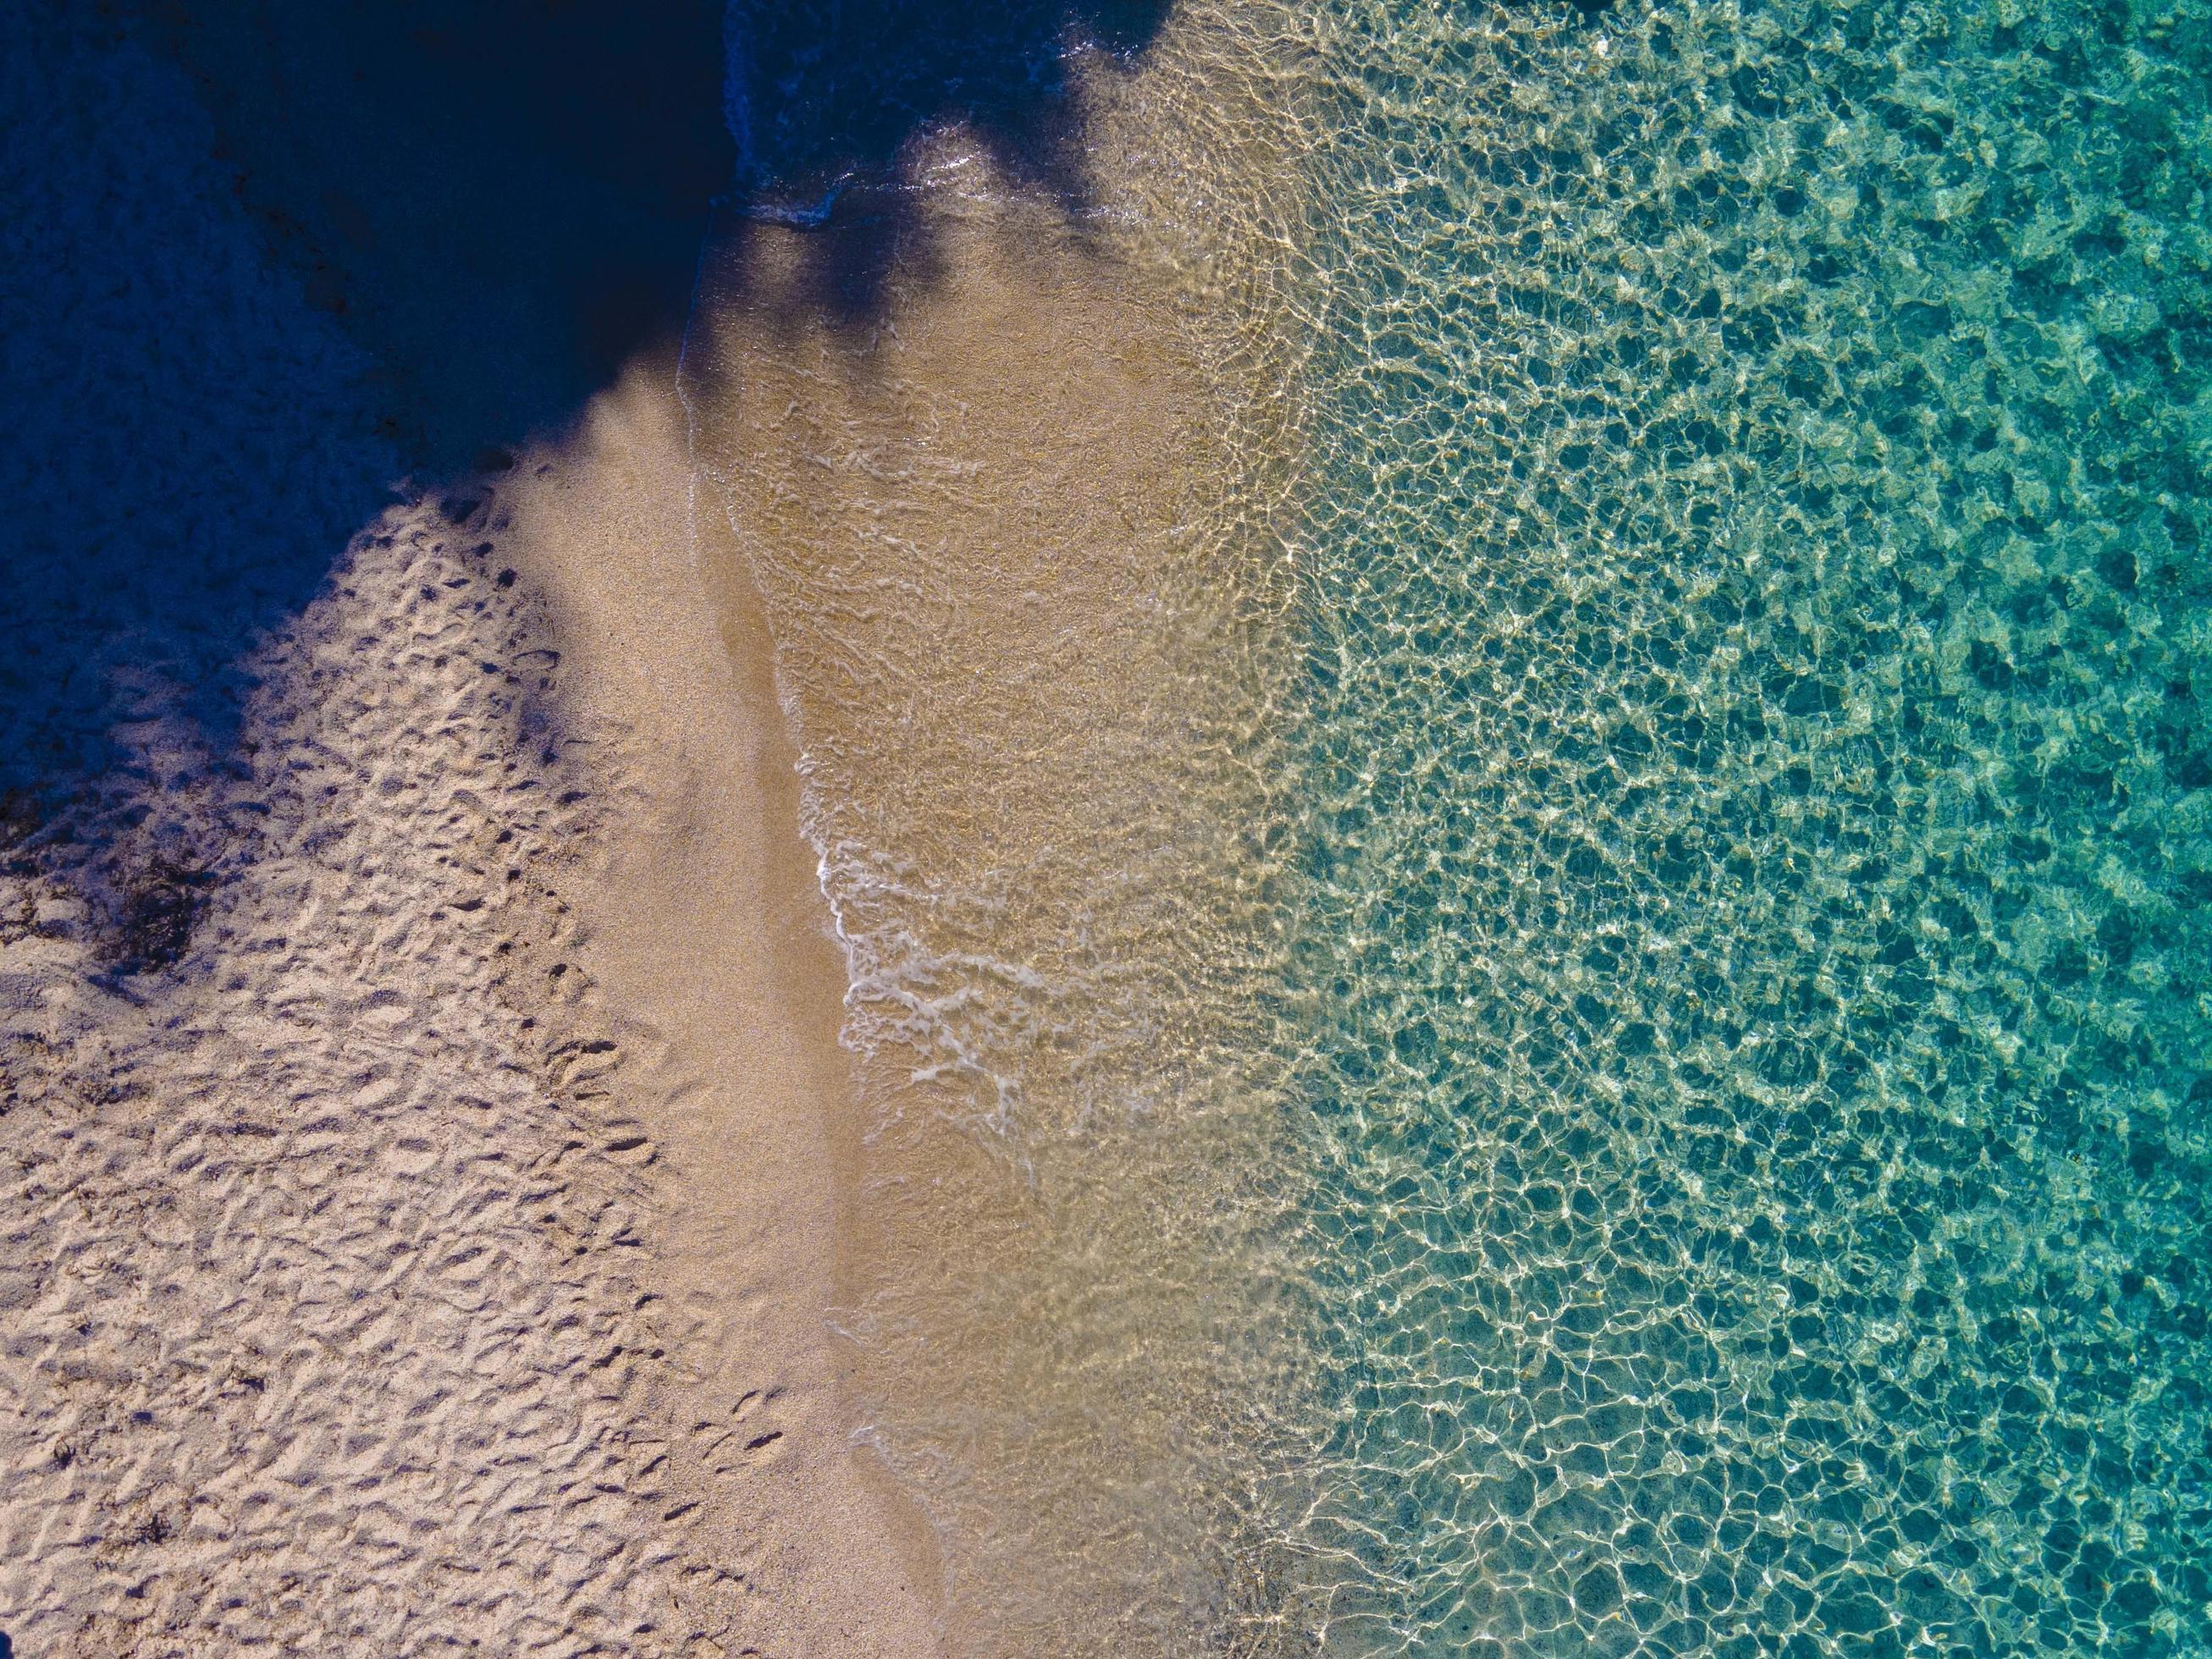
{"x": 267, "y": 259}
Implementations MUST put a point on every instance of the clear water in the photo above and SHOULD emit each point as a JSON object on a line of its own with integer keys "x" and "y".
{"x": 1751, "y": 991}
{"x": 1559, "y": 1004}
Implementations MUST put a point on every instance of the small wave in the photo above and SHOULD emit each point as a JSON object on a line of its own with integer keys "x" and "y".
{"x": 800, "y": 216}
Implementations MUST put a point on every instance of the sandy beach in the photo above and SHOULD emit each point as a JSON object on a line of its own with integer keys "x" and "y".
{"x": 433, "y": 1166}
{"x": 446, "y": 1205}
{"x": 419, "y": 1085}
{"x": 708, "y": 930}
{"x": 429, "y": 1256}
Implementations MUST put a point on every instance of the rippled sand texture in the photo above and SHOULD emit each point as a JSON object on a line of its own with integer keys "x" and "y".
{"x": 1024, "y": 622}
{"x": 1758, "y": 830}
{"x": 326, "y": 1330}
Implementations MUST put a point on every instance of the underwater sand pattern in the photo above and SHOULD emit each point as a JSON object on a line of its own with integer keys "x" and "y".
{"x": 1754, "y": 988}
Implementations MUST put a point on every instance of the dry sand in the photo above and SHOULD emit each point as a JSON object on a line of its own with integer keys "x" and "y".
{"x": 430, "y": 1259}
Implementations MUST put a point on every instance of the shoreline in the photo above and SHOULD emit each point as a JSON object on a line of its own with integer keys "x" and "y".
{"x": 1021, "y": 623}
{"x": 478, "y": 1156}
{"x": 537, "y": 987}
{"x": 707, "y": 932}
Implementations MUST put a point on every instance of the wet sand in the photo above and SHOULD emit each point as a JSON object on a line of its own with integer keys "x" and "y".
{"x": 1015, "y": 632}
{"x": 708, "y": 938}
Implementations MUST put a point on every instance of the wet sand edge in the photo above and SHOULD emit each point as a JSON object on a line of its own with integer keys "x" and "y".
{"x": 709, "y": 941}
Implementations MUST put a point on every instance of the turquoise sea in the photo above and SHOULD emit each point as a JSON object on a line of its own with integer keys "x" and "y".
{"x": 1752, "y": 999}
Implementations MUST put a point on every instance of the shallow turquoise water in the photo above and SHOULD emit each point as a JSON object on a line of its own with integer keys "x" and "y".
{"x": 1752, "y": 994}
{"x": 1649, "y": 1095}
